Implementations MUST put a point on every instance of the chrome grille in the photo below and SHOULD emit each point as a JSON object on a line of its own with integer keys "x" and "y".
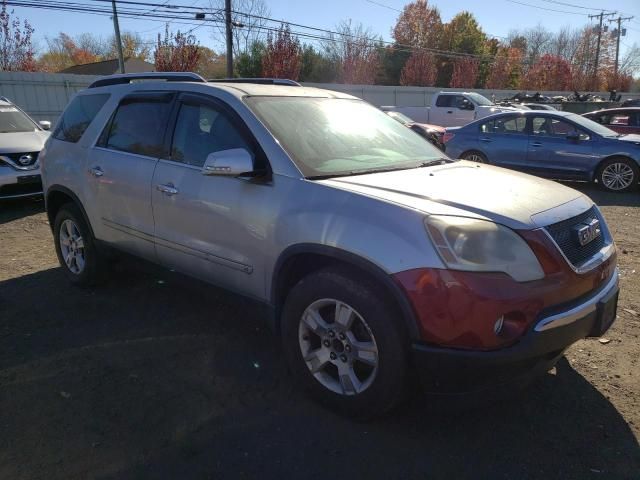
{"x": 564, "y": 234}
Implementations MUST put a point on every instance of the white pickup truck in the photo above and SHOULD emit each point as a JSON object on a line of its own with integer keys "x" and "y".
{"x": 452, "y": 109}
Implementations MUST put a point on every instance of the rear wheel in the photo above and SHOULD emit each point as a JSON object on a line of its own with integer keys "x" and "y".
{"x": 342, "y": 343}
{"x": 474, "y": 156}
{"x": 618, "y": 175}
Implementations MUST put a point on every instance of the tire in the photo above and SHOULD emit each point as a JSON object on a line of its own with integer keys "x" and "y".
{"x": 375, "y": 382}
{"x": 81, "y": 261}
{"x": 618, "y": 174}
{"x": 474, "y": 156}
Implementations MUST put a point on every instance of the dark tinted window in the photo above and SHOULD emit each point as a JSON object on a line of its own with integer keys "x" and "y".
{"x": 78, "y": 116}
{"x": 445, "y": 100}
{"x": 138, "y": 127}
{"x": 201, "y": 130}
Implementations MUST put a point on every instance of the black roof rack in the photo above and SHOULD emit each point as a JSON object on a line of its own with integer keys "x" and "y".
{"x": 262, "y": 81}
{"x": 163, "y": 76}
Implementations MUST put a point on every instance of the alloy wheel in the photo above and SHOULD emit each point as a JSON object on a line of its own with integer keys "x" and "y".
{"x": 338, "y": 347}
{"x": 72, "y": 246}
{"x": 617, "y": 176}
{"x": 474, "y": 157}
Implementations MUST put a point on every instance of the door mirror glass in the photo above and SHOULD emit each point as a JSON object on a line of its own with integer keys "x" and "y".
{"x": 234, "y": 162}
{"x": 45, "y": 124}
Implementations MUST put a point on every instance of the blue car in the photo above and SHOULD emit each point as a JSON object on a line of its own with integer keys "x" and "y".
{"x": 558, "y": 145}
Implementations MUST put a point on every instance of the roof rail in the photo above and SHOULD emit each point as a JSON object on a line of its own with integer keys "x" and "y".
{"x": 5, "y": 99}
{"x": 263, "y": 81}
{"x": 130, "y": 77}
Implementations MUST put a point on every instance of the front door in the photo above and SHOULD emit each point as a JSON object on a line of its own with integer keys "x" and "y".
{"x": 120, "y": 169}
{"x": 552, "y": 152}
{"x": 203, "y": 224}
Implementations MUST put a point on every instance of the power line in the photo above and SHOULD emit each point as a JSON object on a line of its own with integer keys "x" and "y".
{"x": 547, "y": 9}
{"x": 574, "y": 5}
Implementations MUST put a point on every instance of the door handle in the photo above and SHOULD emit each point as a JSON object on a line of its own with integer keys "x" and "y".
{"x": 96, "y": 171}
{"x": 536, "y": 144}
{"x": 167, "y": 189}
{"x": 449, "y": 111}
{"x": 486, "y": 140}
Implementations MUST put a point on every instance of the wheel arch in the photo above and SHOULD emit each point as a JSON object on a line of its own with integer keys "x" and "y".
{"x": 58, "y": 195}
{"x": 299, "y": 260}
{"x": 596, "y": 171}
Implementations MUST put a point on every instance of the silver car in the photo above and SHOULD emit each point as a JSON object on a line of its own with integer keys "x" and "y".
{"x": 21, "y": 140}
{"x": 380, "y": 259}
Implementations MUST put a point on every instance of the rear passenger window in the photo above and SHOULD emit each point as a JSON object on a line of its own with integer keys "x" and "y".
{"x": 201, "y": 130}
{"x": 78, "y": 116}
{"x": 505, "y": 125}
{"x": 138, "y": 126}
{"x": 445, "y": 100}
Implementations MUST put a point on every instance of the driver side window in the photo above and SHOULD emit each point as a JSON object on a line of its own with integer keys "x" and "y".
{"x": 201, "y": 130}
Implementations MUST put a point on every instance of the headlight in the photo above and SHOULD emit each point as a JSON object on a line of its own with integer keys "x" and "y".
{"x": 482, "y": 246}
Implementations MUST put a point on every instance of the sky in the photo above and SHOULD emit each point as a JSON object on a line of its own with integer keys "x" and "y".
{"x": 497, "y": 17}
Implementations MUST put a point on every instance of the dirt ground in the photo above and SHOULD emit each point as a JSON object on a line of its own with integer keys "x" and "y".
{"x": 157, "y": 376}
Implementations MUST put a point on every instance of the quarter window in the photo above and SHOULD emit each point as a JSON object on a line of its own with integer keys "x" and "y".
{"x": 78, "y": 116}
{"x": 138, "y": 127}
{"x": 201, "y": 130}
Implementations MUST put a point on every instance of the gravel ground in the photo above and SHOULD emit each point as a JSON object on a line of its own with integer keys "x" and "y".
{"x": 154, "y": 375}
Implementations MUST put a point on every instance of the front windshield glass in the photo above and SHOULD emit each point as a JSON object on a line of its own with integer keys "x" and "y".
{"x": 480, "y": 100}
{"x": 595, "y": 127}
{"x": 331, "y": 136}
{"x": 13, "y": 120}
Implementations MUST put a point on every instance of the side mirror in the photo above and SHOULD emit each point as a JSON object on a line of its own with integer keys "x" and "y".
{"x": 466, "y": 105}
{"x": 234, "y": 162}
{"x": 45, "y": 124}
{"x": 573, "y": 136}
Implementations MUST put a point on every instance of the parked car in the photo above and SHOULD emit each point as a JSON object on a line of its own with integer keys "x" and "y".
{"x": 452, "y": 109}
{"x": 377, "y": 256}
{"x": 621, "y": 120}
{"x": 558, "y": 145}
{"x": 21, "y": 140}
{"x": 432, "y": 133}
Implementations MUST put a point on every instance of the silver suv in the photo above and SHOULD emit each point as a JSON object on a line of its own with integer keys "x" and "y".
{"x": 21, "y": 140}
{"x": 378, "y": 256}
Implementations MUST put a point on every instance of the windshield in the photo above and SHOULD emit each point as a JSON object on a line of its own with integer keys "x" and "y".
{"x": 401, "y": 117}
{"x": 479, "y": 99}
{"x": 595, "y": 127}
{"x": 13, "y": 120}
{"x": 331, "y": 136}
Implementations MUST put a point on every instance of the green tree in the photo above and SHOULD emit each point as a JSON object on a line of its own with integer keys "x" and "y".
{"x": 316, "y": 67}
{"x": 249, "y": 64}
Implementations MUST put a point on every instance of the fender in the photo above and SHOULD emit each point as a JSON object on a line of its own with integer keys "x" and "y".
{"x": 74, "y": 197}
{"x": 408, "y": 314}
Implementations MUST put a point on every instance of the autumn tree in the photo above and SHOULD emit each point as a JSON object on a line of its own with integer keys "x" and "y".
{"x": 419, "y": 25}
{"x": 211, "y": 64}
{"x": 355, "y": 53}
{"x": 420, "y": 69}
{"x": 461, "y": 35}
{"x": 465, "y": 72}
{"x": 133, "y": 46}
{"x": 16, "y": 49}
{"x": 64, "y": 51}
{"x": 506, "y": 69}
{"x": 282, "y": 58}
{"x": 550, "y": 72}
{"x": 176, "y": 52}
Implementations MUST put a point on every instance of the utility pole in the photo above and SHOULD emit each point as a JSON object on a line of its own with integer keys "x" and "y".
{"x": 227, "y": 22}
{"x": 619, "y": 34}
{"x": 116, "y": 28}
{"x": 601, "y": 15}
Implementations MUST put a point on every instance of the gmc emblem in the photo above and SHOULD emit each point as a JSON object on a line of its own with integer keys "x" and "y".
{"x": 587, "y": 232}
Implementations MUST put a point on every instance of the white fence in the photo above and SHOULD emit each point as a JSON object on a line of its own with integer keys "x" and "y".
{"x": 44, "y": 95}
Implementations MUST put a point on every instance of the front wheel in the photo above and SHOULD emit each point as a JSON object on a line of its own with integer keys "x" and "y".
{"x": 76, "y": 248}
{"x": 343, "y": 344}
{"x": 474, "y": 156}
{"x": 618, "y": 175}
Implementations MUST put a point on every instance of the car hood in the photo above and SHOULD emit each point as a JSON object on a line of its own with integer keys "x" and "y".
{"x": 18, "y": 142}
{"x": 633, "y": 138}
{"x": 469, "y": 189}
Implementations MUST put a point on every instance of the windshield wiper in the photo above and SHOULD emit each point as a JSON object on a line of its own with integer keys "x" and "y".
{"x": 428, "y": 163}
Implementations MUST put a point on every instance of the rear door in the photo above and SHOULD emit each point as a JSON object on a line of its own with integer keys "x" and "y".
{"x": 120, "y": 170}
{"x": 504, "y": 141}
{"x": 552, "y": 154}
{"x": 204, "y": 224}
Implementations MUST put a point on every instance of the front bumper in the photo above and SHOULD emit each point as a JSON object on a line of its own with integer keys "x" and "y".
{"x": 19, "y": 183}
{"x": 449, "y": 370}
